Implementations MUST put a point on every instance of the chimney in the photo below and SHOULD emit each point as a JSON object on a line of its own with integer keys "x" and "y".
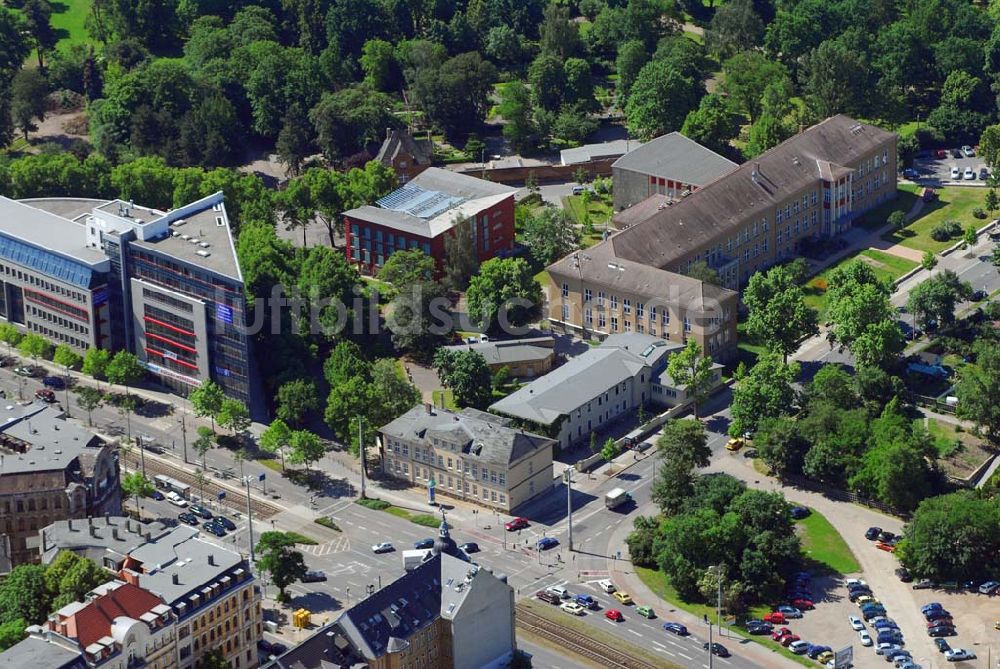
{"x": 69, "y": 524}
{"x": 114, "y": 533}
{"x": 211, "y": 559}
{"x": 93, "y": 530}
{"x": 429, "y": 408}
{"x": 175, "y": 579}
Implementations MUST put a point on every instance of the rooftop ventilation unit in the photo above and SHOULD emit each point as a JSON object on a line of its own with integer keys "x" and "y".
{"x": 219, "y": 221}
{"x": 179, "y": 222}
{"x": 203, "y": 245}
{"x": 194, "y": 240}
{"x": 185, "y": 237}
{"x": 203, "y": 254}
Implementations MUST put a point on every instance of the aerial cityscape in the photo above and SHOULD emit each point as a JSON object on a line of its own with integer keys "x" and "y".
{"x": 486, "y": 334}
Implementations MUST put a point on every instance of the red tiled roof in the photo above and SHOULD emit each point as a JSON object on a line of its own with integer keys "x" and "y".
{"x": 94, "y": 620}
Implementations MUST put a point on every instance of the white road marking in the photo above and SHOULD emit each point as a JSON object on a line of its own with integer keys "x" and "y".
{"x": 636, "y": 633}
{"x": 658, "y": 645}
{"x": 686, "y": 657}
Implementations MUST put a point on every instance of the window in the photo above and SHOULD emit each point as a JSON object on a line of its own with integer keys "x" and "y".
{"x": 614, "y": 324}
{"x": 601, "y": 321}
{"x": 652, "y": 314}
{"x": 588, "y": 317}
{"x": 639, "y": 310}
{"x": 687, "y": 324}
{"x": 614, "y": 301}
{"x": 588, "y": 295}
{"x": 666, "y": 316}
{"x": 565, "y": 312}
{"x": 502, "y": 480}
{"x": 627, "y": 305}
{"x": 600, "y": 298}
{"x": 565, "y": 290}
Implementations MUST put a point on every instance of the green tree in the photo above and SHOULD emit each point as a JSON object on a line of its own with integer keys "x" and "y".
{"x": 989, "y": 146}
{"x": 765, "y": 392}
{"x": 466, "y": 374}
{"x": 206, "y": 400}
{"x": 204, "y": 442}
{"x": 14, "y": 46}
{"x": 834, "y": 80}
{"x": 414, "y": 319}
{"x": 632, "y": 56}
{"x": 833, "y": 385}
{"x": 23, "y": 595}
{"x": 978, "y": 383}
{"x": 125, "y": 369}
{"x": 862, "y": 317}
{"x": 295, "y": 140}
{"x": 713, "y": 124}
{"x": 748, "y": 74}
{"x": 928, "y": 260}
{"x": 934, "y": 299}
{"x": 660, "y": 100}
{"x": 692, "y": 371}
{"x": 396, "y": 394}
{"x": 11, "y": 632}
{"x": 455, "y": 96}
{"x": 766, "y": 133}
{"x": 405, "y": 268}
{"x": 35, "y": 346}
{"x": 295, "y": 399}
{"x": 66, "y": 357}
{"x": 136, "y": 486}
{"x": 966, "y": 514}
{"x": 735, "y": 27}
{"x": 560, "y": 35}
{"x": 347, "y": 119}
{"x": 378, "y": 62}
{"x": 27, "y": 99}
{"x": 550, "y": 235}
{"x": 518, "y": 111}
{"x": 88, "y": 399}
{"x": 345, "y": 362}
{"x": 214, "y": 659}
{"x": 548, "y": 81}
{"x": 504, "y": 293}
{"x": 992, "y": 202}
{"x": 345, "y": 403}
{"x": 460, "y": 257}
{"x": 778, "y": 314}
{"x": 10, "y": 335}
{"x": 682, "y": 446}
{"x": 703, "y": 272}
{"x": 234, "y": 416}
{"x": 275, "y": 439}
{"x": 610, "y": 450}
{"x": 38, "y": 20}
{"x": 305, "y": 448}
{"x": 780, "y": 446}
{"x": 277, "y": 556}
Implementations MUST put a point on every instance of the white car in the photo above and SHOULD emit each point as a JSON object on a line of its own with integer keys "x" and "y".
{"x": 606, "y": 585}
{"x": 384, "y": 547}
{"x": 855, "y": 581}
{"x": 573, "y": 607}
{"x": 968, "y": 151}
{"x": 856, "y": 623}
{"x": 866, "y": 638}
{"x": 884, "y": 648}
{"x": 176, "y": 499}
{"x": 799, "y": 647}
{"x": 559, "y": 591}
{"x": 969, "y": 175}
{"x": 955, "y": 174}
{"x": 959, "y": 654}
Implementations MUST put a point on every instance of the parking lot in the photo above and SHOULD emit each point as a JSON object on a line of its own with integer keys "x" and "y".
{"x": 936, "y": 169}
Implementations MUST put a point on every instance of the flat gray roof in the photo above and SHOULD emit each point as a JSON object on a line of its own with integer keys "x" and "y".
{"x": 511, "y": 351}
{"x": 40, "y": 653}
{"x": 674, "y": 156}
{"x": 589, "y": 152}
{"x": 39, "y": 227}
{"x": 54, "y": 441}
{"x": 115, "y": 534}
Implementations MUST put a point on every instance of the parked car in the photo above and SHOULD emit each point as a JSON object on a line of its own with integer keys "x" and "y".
{"x": 856, "y": 623}
{"x": 903, "y": 574}
{"x": 857, "y": 594}
{"x": 880, "y": 624}
{"x": 938, "y": 622}
{"x": 866, "y": 599}
{"x": 516, "y": 524}
{"x": 989, "y": 588}
{"x": 549, "y": 597}
{"x": 789, "y": 639}
{"x": 885, "y": 546}
{"x": 45, "y": 395}
{"x": 559, "y": 591}
{"x": 984, "y": 173}
{"x": 198, "y": 509}
{"x": 423, "y": 544}
{"x": 873, "y": 613}
{"x": 278, "y": 649}
{"x": 799, "y": 647}
{"x": 824, "y": 657}
{"x": 790, "y": 611}
{"x": 910, "y": 173}
{"x": 898, "y": 657}
{"x": 645, "y": 611}
{"x": 775, "y": 618}
{"x": 188, "y": 518}
{"x": 54, "y": 382}
{"x": 780, "y": 633}
{"x": 313, "y": 576}
{"x": 968, "y": 151}
{"x": 573, "y": 607}
{"x": 176, "y": 499}
{"x": 606, "y": 585}
{"x": 226, "y": 523}
{"x": 799, "y": 512}
{"x": 24, "y": 371}
{"x": 383, "y": 547}
{"x": 623, "y": 597}
{"x": 470, "y": 547}
{"x": 675, "y": 628}
{"x": 871, "y": 534}
{"x": 815, "y": 650}
{"x": 803, "y": 604}
{"x": 857, "y": 582}
{"x": 886, "y": 536}
{"x": 265, "y": 646}
{"x": 969, "y": 174}
{"x": 935, "y": 614}
{"x": 884, "y": 648}
{"x": 614, "y": 615}
{"x": 750, "y": 453}
{"x": 933, "y": 606}
{"x": 959, "y": 654}
{"x": 956, "y": 153}
{"x": 545, "y": 543}
{"x": 942, "y": 645}
{"x": 759, "y": 627}
{"x": 865, "y": 637}
{"x": 587, "y": 601}
{"x": 955, "y": 174}
{"x": 889, "y": 636}
{"x": 212, "y": 528}
{"x": 735, "y": 444}
{"x": 941, "y": 630}
{"x": 157, "y": 495}
{"x": 717, "y": 649}
{"x": 923, "y": 584}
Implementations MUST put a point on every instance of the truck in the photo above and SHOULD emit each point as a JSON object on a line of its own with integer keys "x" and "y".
{"x": 616, "y": 498}
{"x": 413, "y": 558}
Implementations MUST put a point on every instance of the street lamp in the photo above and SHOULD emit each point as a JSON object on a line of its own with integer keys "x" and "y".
{"x": 246, "y": 482}
{"x": 184, "y": 436}
{"x": 568, "y": 480}
{"x": 718, "y": 610}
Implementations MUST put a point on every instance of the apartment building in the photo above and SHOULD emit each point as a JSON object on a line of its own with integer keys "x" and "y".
{"x": 106, "y": 540}
{"x": 602, "y": 385}
{"x": 671, "y": 165}
{"x": 430, "y": 207}
{"x": 212, "y": 594}
{"x": 813, "y": 185}
{"x": 470, "y": 455}
{"x": 444, "y": 614}
{"x": 114, "y": 275}
{"x": 523, "y": 358}
{"x": 50, "y": 470}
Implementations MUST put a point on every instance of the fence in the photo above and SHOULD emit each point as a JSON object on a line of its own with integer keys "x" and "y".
{"x": 840, "y": 495}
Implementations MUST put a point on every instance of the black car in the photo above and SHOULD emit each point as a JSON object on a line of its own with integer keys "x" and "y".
{"x": 977, "y": 296}
{"x": 886, "y": 536}
{"x": 923, "y": 584}
{"x": 760, "y": 627}
{"x": 188, "y": 517}
{"x": 199, "y": 510}
{"x": 956, "y": 153}
{"x": 984, "y": 173}
{"x": 54, "y": 382}
{"x": 313, "y": 577}
{"x": 937, "y": 614}
{"x": 470, "y": 547}
{"x": 903, "y": 574}
{"x": 157, "y": 495}
{"x": 942, "y": 645}
{"x": 217, "y": 530}
{"x": 265, "y": 646}
{"x": 855, "y": 595}
{"x": 226, "y": 523}
{"x": 423, "y": 543}
{"x": 799, "y": 512}
{"x": 717, "y": 649}
{"x": 872, "y": 533}
{"x": 941, "y": 630}
{"x": 278, "y": 648}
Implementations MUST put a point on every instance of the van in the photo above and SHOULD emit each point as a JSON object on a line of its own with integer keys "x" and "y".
{"x": 559, "y": 591}
{"x": 577, "y": 190}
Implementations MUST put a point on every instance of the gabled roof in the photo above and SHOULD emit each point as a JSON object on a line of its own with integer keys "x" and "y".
{"x": 402, "y": 142}
{"x": 717, "y": 210}
{"x": 601, "y": 151}
{"x": 95, "y": 619}
{"x": 674, "y": 156}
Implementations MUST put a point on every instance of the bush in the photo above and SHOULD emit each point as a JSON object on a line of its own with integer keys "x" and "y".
{"x": 897, "y": 219}
{"x": 376, "y": 504}
{"x": 426, "y": 519}
{"x": 942, "y": 232}
{"x": 929, "y": 260}
{"x": 327, "y": 522}
{"x": 978, "y": 212}
{"x": 301, "y": 539}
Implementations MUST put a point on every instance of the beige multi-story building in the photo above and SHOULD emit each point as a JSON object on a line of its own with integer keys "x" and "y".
{"x": 214, "y": 597}
{"x": 471, "y": 455}
{"x": 811, "y": 186}
{"x": 50, "y": 470}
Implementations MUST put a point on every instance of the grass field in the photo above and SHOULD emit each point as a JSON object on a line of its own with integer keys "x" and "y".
{"x": 943, "y": 435}
{"x": 953, "y": 203}
{"x": 599, "y": 209}
{"x": 888, "y": 267}
{"x": 822, "y": 544}
{"x": 69, "y": 18}
{"x": 906, "y": 196}
{"x": 449, "y": 399}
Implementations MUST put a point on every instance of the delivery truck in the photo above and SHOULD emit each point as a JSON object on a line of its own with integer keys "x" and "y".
{"x": 616, "y": 498}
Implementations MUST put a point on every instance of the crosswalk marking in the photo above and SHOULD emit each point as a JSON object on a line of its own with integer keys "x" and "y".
{"x": 338, "y": 545}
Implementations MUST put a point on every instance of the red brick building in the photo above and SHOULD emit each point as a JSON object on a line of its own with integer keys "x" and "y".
{"x": 429, "y": 208}
{"x": 407, "y": 156}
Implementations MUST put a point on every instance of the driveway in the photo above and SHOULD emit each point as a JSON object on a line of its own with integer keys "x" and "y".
{"x": 939, "y": 169}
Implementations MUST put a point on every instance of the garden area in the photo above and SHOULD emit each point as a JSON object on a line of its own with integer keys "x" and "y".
{"x": 906, "y": 197}
{"x": 824, "y": 547}
{"x": 886, "y": 266}
{"x": 592, "y": 212}
{"x": 953, "y": 204}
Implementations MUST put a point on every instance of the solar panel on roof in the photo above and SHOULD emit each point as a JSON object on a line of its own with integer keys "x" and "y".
{"x": 419, "y": 202}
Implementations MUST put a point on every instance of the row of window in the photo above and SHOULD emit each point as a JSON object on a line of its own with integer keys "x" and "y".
{"x": 447, "y": 463}
{"x": 58, "y": 336}
{"x": 450, "y": 483}
{"x": 167, "y": 299}
{"x": 38, "y": 282}
{"x": 45, "y": 315}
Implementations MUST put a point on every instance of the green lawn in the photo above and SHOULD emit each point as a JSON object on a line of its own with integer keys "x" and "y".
{"x": 599, "y": 209}
{"x": 876, "y": 218}
{"x": 822, "y": 544}
{"x": 943, "y": 435}
{"x": 888, "y": 267}
{"x": 449, "y": 399}
{"x": 953, "y": 203}
{"x": 69, "y": 18}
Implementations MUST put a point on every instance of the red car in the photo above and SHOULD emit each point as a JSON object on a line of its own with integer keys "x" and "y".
{"x": 941, "y": 153}
{"x": 775, "y": 618}
{"x": 781, "y": 633}
{"x": 803, "y": 604}
{"x": 614, "y": 614}
{"x": 788, "y": 639}
{"x": 516, "y": 524}
{"x": 882, "y": 546}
